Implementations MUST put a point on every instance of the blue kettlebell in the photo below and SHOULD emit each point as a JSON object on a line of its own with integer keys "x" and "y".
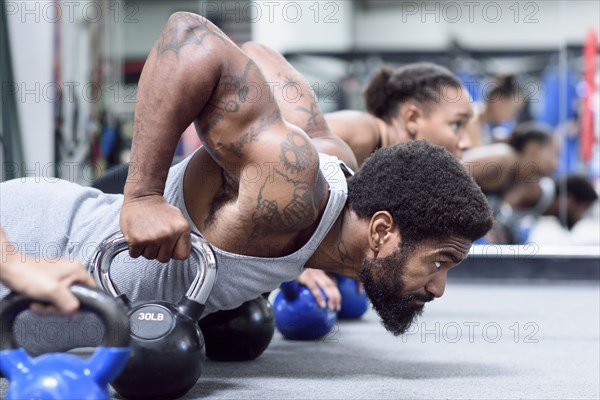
{"x": 298, "y": 316}
{"x": 354, "y": 303}
{"x": 59, "y": 375}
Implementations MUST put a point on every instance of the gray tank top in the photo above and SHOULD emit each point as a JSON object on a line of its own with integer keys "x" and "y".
{"x": 53, "y": 218}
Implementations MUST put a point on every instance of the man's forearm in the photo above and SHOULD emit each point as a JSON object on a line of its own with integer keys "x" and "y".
{"x": 176, "y": 82}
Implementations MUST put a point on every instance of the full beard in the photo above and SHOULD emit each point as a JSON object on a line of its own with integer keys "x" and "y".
{"x": 384, "y": 285}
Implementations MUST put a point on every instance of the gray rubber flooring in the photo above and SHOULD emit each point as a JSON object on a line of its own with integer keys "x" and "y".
{"x": 482, "y": 340}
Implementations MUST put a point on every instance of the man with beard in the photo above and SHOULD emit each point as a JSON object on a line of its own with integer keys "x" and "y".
{"x": 259, "y": 191}
{"x": 420, "y": 101}
{"x": 411, "y": 207}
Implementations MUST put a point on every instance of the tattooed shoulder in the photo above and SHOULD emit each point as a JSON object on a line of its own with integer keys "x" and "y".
{"x": 184, "y": 29}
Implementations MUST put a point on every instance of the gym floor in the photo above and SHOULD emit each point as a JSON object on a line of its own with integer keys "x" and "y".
{"x": 483, "y": 340}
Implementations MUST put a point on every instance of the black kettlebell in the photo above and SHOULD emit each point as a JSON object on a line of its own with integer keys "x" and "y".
{"x": 241, "y": 334}
{"x": 166, "y": 343}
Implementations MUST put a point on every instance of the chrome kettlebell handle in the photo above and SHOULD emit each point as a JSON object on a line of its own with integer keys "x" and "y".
{"x": 198, "y": 291}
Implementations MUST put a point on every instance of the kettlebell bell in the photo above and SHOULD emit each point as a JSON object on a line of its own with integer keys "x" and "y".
{"x": 297, "y": 314}
{"x": 60, "y": 375}
{"x": 241, "y": 334}
{"x": 354, "y": 303}
{"x": 166, "y": 343}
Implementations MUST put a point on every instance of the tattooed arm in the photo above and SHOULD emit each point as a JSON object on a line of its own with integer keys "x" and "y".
{"x": 195, "y": 73}
{"x": 297, "y": 101}
{"x": 164, "y": 108}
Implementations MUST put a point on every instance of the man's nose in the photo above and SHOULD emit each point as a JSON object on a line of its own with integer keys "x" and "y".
{"x": 437, "y": 284}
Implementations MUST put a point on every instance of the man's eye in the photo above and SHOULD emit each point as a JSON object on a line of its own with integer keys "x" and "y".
{"x": 456, "y": 125}
{"x": 438, "y": 264}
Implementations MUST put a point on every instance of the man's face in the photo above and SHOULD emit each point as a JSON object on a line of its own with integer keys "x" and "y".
{"x": 400, "y": 281}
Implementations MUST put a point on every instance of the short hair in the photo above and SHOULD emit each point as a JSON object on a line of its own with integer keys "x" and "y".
{"x": 527, "y": 132}
{"x": 428, "y": 192}
{"x": 577, "y": 186}
{"x": 421, "y": 82}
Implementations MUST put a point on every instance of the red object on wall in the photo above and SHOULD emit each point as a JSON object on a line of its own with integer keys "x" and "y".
{"x": 590, "y": 50}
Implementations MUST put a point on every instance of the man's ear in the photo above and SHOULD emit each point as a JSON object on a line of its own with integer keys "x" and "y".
{"x": 382, "y": 229}
{"x": 410, "y": 114}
